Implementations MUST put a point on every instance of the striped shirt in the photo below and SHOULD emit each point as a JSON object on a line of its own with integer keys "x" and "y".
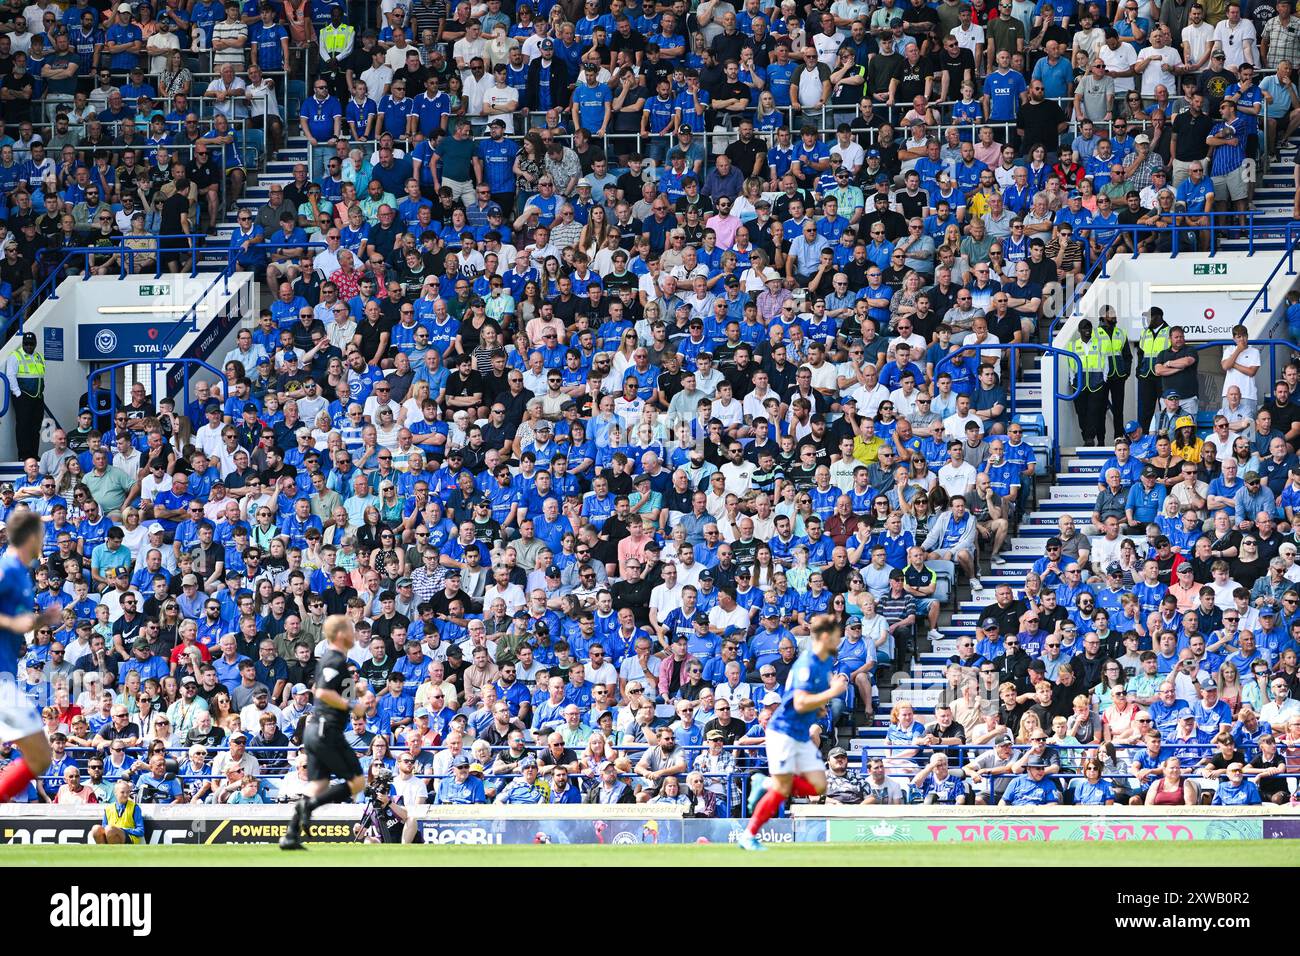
{"x": 229, "y": 30}
{"x": 1228, "y": 159}
{"x": 426, "y": 16}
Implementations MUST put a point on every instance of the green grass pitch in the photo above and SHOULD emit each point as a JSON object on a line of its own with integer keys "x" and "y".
{"x": 1252, "y": 853}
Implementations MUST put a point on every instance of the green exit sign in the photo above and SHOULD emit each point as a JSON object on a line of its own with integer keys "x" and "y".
{"x": 1210, "y": 269}
{"x": 155, "y": 291}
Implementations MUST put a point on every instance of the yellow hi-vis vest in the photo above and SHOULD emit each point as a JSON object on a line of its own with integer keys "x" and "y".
{"x": 1152, "y": 344}
{"x": 126, "y": 819}
{"x": 31, "y": 373}
{"x": 1092, "y": 356}
{"x": 1112, "y": 346}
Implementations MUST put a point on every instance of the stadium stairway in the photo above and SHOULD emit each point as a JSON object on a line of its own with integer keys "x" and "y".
{"x": 1274, "y": 198}
{"x": 277, "y": 171}
{"x": 1071, "y": 491}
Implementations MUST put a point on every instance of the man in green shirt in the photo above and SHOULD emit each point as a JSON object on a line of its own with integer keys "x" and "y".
{"x": 109, "y": 486}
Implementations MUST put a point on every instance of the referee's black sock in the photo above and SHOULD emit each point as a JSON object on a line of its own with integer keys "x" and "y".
{"x": 337, "y": 793}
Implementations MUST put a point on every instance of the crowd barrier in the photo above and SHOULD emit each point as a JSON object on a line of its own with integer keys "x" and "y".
{"x": 640, "y": 825}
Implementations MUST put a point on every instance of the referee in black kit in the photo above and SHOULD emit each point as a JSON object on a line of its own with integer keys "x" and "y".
{"x": 328, "y": 754}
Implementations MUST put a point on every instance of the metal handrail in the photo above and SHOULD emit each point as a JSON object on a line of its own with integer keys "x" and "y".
{"x": 1272, "y": 344}
{"x": 1058, "y": 395}
{"x": 1292, "y": 232}
{"x": 1257, "y": 223}
{"x": 154, "y": 365}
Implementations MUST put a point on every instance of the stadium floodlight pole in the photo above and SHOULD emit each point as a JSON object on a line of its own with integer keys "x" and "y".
{"x": 328, "y": 753}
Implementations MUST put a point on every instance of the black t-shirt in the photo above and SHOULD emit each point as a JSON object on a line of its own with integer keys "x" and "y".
{"x": 955, "y": 66}
{"x": 911, "y": 80}
{"x": 880, "y": 70}
{"x": 732, "y": 91}
{"x": 370, "y": 333}
{"x": 1268, "y": 786}
{"x": 1040, "y": 122}
{"x": 471, "y": 384}
{"x": 174, "y": 207}
{"x": 1230, "y": 540}
{"x": 1127, "y": 217}
{"x": 203, "y": 174}
{"x": 1008, "y": 618}
{"x": 743, "y": 155}
{"x": 1184, "y": 381}
{"x": 733, "y": 731}
{"x": 17, "y": 109}
{"x": 1191, "y": 132}
{"x": 912, "y": 206}
{"x": 333, "y": 676}
{"x": 1284, "y": 416}
{"x": 566, "y": 308}
{"x": 914, "y": 17}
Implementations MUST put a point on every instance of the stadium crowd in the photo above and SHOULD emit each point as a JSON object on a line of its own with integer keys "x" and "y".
{"x": 635, "y": 338}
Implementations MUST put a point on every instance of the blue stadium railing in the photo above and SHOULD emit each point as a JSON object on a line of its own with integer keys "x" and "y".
{"x": 736, "y": 784}
{"x": 1258, "y": 227}
{"x": 1058, "y": 396}
{"x": 154, "y": 366}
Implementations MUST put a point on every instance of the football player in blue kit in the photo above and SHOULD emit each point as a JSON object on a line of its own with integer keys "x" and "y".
{"x": 19, "y": 720}
{"x": 794, "y": 760}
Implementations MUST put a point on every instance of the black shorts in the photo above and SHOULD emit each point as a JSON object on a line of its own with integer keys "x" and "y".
{"x": 328, "y": 754}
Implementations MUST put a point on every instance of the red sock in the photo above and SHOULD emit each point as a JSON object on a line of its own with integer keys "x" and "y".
{"x": 766, "y": 809}
{"x": 14, "y": 779}
{"x": 802, "y": 788}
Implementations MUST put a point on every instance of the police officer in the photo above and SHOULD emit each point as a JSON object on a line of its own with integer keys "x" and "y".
{"x": 1119, "y": 363}
{"x": 1090, "y": 381}
{"x": 26, "y": 373}
{"x": 1153, "y": 341}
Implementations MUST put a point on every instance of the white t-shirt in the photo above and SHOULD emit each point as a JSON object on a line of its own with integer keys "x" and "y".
{"x": 377, "y": 80}
{"x": 1249, "y": 390}
{"x": 1161, "y": 73}
{"x": 604, "y": 674}
{"x": 738, "y": 476}
{"x": 1196, "y": 41}
{"x": 954, "y": 426}
{"x": 989, "y": 339}
{"x": 465, "y": 50}
{"x": 823, "y": 377}
{"x": 753, "y": 404}
{"x": 151, "y": 487}
{"x": 737, "y": 617}
{"x": 506, "y": 96}
{"x": 729, "y": 413}
{"x": 968, "y": 39}
{"x": 827, "y": 47}
{"x": 852, "y": 155}
{"x": 1119, "y": 59}
{"x": 917, "y": 343}
{"x": 664, "y": 600}
{"x": 869, "y": 401}
{"x": 810, "y": 86}
{"x": 957, "y": 480}
{"x": 1237, "y": 43}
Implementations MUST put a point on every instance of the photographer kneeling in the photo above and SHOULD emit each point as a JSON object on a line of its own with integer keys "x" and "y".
{"x": 382, "y": 820}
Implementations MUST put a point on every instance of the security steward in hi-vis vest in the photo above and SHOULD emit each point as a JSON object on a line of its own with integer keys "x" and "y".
{"x": 1153, "y": 340}
{"x": 25, "y": 371}
{"x": 1089, "y": 377}
{"x": 1119, "y": 363}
